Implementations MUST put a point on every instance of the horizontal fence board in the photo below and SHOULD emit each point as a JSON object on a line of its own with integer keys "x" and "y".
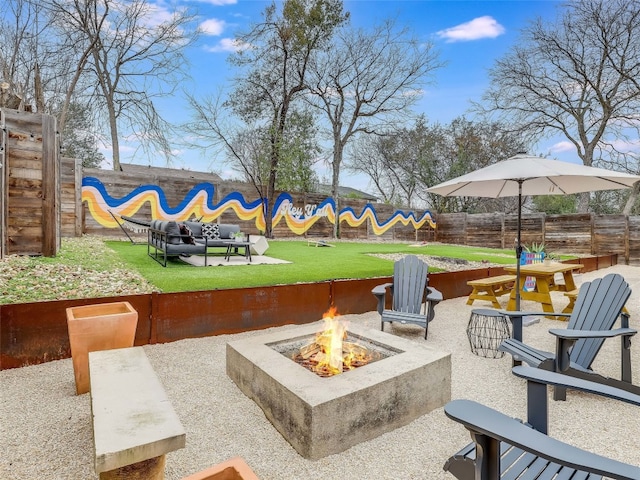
{"x": 577, "y": 234}
{"x": 484, "y": 230}
{"x": 609, "y": 233}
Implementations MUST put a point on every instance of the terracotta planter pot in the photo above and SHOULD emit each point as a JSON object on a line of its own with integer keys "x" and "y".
{"x": 234, "y": 469}
{"x": 96, "y": 327}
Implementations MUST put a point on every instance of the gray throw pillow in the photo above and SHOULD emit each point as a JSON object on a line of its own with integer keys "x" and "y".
{"x": 173, "y": 233}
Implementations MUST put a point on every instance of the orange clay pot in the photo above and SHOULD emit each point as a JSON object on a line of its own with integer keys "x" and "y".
{"x": 103, "y": 326}
{"x": 234, "y": 469}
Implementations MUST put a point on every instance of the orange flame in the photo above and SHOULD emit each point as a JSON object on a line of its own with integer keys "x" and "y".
{"x": 330, "y": 353}
{"x": 330, "y": 339}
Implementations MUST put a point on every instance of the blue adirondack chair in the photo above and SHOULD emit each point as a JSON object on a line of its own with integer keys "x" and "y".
{"x": 505, "y": 448}
{"x": 409, "y": 291}
{"x": 598, "y": 306}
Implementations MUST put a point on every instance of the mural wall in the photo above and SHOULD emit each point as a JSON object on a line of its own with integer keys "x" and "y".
{"x": 203, "y": 201}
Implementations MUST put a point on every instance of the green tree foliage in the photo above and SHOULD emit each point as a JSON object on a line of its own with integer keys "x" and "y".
{"x": 405, "y": 162}
{"x": 555, "y": 204}
{"x": 273, "y": 70}
{"x": 78, "y": 139}
{"x": 299, "y": 151}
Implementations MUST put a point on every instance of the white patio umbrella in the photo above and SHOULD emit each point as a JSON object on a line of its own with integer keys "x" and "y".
{"x": 524, "y": 174}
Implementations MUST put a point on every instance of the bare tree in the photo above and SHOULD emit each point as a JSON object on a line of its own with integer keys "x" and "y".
{"x": 133, "y": 60}
{"x": 42, "y": 63}
{"x": 404, "y": 163}
{"x": 213, "y": 128}
{"x": 392, "y": 161}
{"x": 461, "y": 147}
{"x": 273, "y": 70}
{"x": 366, "y": 155}
{"x": 366, "y": 83}
{"x": 22, "y": 29}
{"x": 577, "y": 77}
{"x": 77, "y": 47}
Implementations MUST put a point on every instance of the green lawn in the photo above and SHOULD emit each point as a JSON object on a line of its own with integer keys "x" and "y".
{"x": 309, "y": 264}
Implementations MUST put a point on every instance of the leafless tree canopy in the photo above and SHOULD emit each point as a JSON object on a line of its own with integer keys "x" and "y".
{"x": 405, "y": 162}
{"x": 366, "y": 83}
{"x": 577, "y": 77}
{"x": 273, "y": 70}
{"x": 116, "y": 56}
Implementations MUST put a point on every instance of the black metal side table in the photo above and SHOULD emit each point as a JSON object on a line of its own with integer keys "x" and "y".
{"x": 235, "y": 246}
{"x": 486, "y": 330}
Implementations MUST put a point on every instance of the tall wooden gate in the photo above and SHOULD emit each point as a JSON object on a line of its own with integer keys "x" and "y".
{"x": 30, "y": 184}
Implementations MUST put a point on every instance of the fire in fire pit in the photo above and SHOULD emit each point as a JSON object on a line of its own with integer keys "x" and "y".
{"x": 332, "y": 351}
{"x": 322, "y": 416}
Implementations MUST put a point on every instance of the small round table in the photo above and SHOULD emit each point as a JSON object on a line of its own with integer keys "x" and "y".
{"x": 486, "y": 330}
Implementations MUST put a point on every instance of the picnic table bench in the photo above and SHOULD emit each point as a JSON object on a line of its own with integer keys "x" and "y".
{"x": 572, "y": 295}
{"x": 134, "y": 424}
{"x": 490, "y": 289}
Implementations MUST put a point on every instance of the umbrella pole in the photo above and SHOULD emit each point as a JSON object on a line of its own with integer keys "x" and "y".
{"x": 519, "y": 245}
{"x": 517, "y": 321}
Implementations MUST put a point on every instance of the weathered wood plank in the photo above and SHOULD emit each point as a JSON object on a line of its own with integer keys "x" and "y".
{"x": 51, "y": 188}
{"x": 484, "y": 230}
{"x": 25, "y": 173}
{"x": 451, "y": 228}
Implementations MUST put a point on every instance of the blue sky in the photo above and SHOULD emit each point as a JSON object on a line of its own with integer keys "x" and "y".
{"x": 469, "y": 34}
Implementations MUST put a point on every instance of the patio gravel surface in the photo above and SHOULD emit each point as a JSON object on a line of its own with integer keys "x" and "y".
{"x": 46, "y": 431}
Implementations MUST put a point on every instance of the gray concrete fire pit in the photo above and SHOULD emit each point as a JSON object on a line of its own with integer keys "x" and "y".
{"x": 322, "y": 416}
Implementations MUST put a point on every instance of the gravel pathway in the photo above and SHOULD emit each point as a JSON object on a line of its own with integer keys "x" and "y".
{"x": 46, "y": 432}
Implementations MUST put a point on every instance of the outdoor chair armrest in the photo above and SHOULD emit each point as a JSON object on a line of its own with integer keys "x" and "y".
{"x": 381, "y": 289}
{"x": 162, "y": 237}
{"x": 569, "y": 334}
{"x": 380, "y": 292}
{"x": 434, "y": 295}
{"x": 565, "y": 338}
{"x": 515, "y": 313}
{"x": 516, "y": 316}
{"x": 488, "y": 427}
{"x": 539, "y": 375}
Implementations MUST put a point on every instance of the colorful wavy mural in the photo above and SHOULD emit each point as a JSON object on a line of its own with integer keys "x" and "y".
{"x": 199, "y": 202}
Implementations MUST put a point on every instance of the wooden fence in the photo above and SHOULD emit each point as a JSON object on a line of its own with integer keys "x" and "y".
{"x": 584, "y": 234}
{"x": 29, "y": 187}
{"x": 176, "y": 186}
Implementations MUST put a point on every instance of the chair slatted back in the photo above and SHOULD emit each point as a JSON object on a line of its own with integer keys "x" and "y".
{"x": 409, "y": 284}
{"x": 598, "y": 305}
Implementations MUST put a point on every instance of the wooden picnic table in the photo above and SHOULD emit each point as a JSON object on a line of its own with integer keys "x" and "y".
{"x": 544, "y": 275}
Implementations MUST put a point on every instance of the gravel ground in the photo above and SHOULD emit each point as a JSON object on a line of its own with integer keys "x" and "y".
{"x": 46, "y": 431}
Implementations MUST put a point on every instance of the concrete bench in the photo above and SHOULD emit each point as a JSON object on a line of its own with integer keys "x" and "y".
{"x": 134, "y": 424}
{"x": 490, "y": 289}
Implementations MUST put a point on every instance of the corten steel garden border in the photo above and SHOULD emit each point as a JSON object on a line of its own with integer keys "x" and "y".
{"x": 32, "y": 333}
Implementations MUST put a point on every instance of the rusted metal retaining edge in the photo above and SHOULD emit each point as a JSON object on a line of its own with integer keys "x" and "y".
{"x": 32, "y": 333}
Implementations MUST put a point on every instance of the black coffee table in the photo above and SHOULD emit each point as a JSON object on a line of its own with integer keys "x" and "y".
{"x": 234, "y": 248}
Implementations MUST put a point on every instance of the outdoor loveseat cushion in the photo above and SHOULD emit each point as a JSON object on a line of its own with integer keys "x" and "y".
{"x": 225, "y": 232}
{"x": 171, "y": 228}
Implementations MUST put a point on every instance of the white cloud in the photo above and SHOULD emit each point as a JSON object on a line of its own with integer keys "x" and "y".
{"x": 563, "y": 146}
{"x": 212, "y": 27}
{"x": 219, "y": 2}
{"x": 476, "y": 29}
{"x": 156, "y": 15}
{"x": 227, "y": 45}
{"x": 626, "y": 146}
